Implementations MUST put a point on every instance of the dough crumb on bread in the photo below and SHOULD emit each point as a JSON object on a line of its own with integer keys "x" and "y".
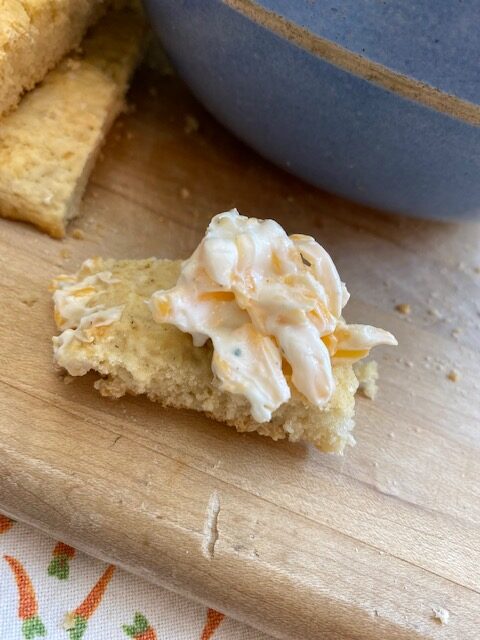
{"x": 367, "y": 375}
{"x": 48, "y": 145}
{"x": 106, "y": 326}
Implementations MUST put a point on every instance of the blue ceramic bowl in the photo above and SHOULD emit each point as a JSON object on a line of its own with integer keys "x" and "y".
{"x": 377, "y": 101}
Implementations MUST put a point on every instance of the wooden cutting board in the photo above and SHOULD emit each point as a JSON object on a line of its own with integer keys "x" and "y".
{"x": 307, "y": 545}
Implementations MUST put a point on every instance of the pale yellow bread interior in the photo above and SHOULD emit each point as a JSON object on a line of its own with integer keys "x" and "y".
{"x": 34, "y": 36}
{"x": 139, "y": 356}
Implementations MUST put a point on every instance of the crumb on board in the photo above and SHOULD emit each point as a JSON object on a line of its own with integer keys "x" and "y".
{"x": 432, "y": 311}
{"x": 29, "y": 300}
{"x": 191, "y": 124}
{"x": 184, "y": 193}
{"x": 78, "y": 234}
{"x": 290, "y": 199}
{"x": 441, "y": 615}
{"x": 68, "y": 379}
{"x": 404, "y": 308}
{"x": 453, "y": 375}
{"x": 367, "y": 375}
{"x": 65, "y": 253}
{"x": 456, "y": 332}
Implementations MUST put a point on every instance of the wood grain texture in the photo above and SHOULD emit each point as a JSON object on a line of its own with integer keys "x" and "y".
{"x": 308, "y": 546}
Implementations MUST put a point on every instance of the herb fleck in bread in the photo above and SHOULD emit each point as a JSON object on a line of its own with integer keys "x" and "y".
{"x": 34, "y": 36}
{"x": 49, "y": 143}
{"x": 107, "y": 327}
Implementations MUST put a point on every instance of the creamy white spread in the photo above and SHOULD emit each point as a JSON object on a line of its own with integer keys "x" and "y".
{"x": 76, "y": 317}
{"x": 271, "y": 304}
{"x": 72, "y": 297}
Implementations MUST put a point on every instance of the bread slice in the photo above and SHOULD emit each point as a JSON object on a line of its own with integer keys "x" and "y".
{"x": 107, "y": 327}
{"x": 49, "y": 143}
{"x": 34, "y": 37}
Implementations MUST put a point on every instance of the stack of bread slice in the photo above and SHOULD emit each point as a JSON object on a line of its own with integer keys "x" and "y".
{"x": 65, "y": 66}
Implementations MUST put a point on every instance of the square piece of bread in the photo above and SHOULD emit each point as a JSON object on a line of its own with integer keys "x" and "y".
{"x": 49, "y": 143}
{"x": 107, "y": 327}
{"x": 34, "y": 37}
